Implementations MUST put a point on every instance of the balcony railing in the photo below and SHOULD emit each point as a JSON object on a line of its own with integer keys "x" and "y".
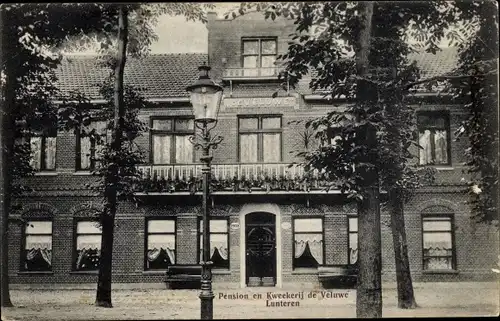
{"x": 231, "y": 177}
{"x": 251, "y": 73}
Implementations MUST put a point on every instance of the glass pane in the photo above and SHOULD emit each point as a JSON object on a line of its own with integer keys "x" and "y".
{"x": 184, "y": 124}
{"x": 425, "y": 153}
{"x": 38, "y": 242}
{"x": 39, "y": 227}
{"x": 88, "y": 242}
{"x": 441, "y": 147}
{"x": 308, "y": 225}
{"x": 272, "y": 147}
{"x": 250, "y": 62}
{"x": 219, "y": 226}
{"x": 353, "y": 224}
{"x": 431, "y": 121}
{"x": 50, "y": 152}
{"x": 248, "y": 148}
{"x": 271, "y": 122}
{"x": 88, "y": 227}
{"x": 353, "y": 241}
{"x": 162, "y": 124}
{"x": 268, "y": 47}
{"x": 166, "y": 241}
{"x": 268, "y": 61}
{"x": 85, "y": 145}
{"x": 161, "y": 149}
{"x": 250, "y": 47}
{"x": 36, "y": 151}
{"x": 155, "y": 226}
{"x": 183, "y": 150}
{"x": 435, "y": 225}
{"x": 249, "y": 123}
{"x": 437, "y": 241}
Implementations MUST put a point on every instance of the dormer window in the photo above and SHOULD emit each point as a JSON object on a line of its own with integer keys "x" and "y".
{"x": 259, "y": 56}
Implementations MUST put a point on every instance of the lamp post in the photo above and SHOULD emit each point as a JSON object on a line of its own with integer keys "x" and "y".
{"x": 205, "y": 97}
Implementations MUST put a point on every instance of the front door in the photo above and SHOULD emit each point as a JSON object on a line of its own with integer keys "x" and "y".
{"x": 260, "y": 231}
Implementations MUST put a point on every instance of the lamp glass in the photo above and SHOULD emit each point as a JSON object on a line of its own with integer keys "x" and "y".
{"x": 206, "y": 102}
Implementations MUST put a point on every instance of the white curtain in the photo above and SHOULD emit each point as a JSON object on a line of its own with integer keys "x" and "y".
{"x": 161, "y": 149}
{"x": 183, "y": 150}
{"x": 157, "y": 243}
{"x": 315, "y": 243}
{"x": 425, "y": 154}
{"x": 248, "y": 148}
{"x": 441, "y": 143}
{"x": 220, "y": 246}
{"x": 85, "y": 153}
{"x": 440, "y": 246}
{"x": 272, "y": 147}
{"x": 353, "y": 255}
{"x": 36, "y": 152}
{"x": 50, "y": 152}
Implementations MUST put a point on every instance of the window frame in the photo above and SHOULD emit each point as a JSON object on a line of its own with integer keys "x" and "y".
{"x": 44, "y": 134}
{"x": 23, "y": 243}
{"x": 260, "y": 135}
{"x": 78, "y": 145}
{"x": 451, "y": 218}
{"x": 147, "y": 233}
{"x": 75, "y": 238}
{"x": 441, "y": 114}
{"x": 259, "y": 55}
{"x": 199, "y": 240}
{"x": 294, "y": 217}
{"x": 349, "y": 233}
{"x": 172, "y": 132}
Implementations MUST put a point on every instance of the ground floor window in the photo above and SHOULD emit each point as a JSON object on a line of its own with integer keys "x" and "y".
{"x": 308, "y": 242}
{"x": 219, "y": 242}
{"x": 88, "y": 245}
{"x": 37, "y": 252}
{"x": 438, "y": 247}
{"x": 353, "y": 240}
{"x": 160, "y": 240}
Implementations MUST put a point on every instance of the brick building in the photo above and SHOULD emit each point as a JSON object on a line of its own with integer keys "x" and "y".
{"x": 276, "y": 224}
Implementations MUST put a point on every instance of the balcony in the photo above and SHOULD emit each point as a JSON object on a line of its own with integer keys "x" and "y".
{"x": 232, "y": 178}
{"x": 261, "y": 73}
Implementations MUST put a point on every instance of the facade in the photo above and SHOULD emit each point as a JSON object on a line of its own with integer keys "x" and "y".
{"x": 270, "y": 226}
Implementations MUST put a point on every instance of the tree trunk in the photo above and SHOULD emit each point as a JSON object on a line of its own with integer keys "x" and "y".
{"x": 369, "y": 289}
{"x": 406, "y": 298}
{"x": 6, "y": 144}
{"x": 103, "y": 296}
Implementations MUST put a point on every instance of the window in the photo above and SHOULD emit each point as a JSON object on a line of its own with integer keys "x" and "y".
{"x": 170, "y": 141}
{"x": 219, "y": 243}
{"x": 88, "y": 246}
{"x": 259, "y": 139}
{"x": 308, "y": 242}
{"x": 160, "y": 252}
{"x": 259, "y": 56}
{"x": 37, "y": 252}
{"x": 353, "y": 240}
{"x": 90, "y": 143}
{"x": 434, "y": 138}
{"x": 43, "y": 150}
{"x": 438, "y": 249}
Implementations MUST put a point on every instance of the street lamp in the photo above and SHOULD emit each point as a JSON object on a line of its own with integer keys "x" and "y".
{"x": 205, "y": 96}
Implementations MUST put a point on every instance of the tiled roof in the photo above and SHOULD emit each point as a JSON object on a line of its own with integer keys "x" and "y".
{"x": 158, "y": 76}
{"x": 435, "y": 64}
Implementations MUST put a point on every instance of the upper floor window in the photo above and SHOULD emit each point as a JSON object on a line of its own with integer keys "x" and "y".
{"x": 43, "y": 150}
{"x": 37, "y": 252}
{"x": 170, "y": 141}
{"x": 90, "y": 142}
{"x": 160, "y": 243}
{"x": 353, "y": 240}
{"x": 438, "y": 245}
{"x": 434, "y": 138}
{"x": 87, "y": 246}
{"x": 219, "y": 242}
{"x": 259, "y": 139}
{"x": 308, "y": 242}
{"x": 259, "y": 56}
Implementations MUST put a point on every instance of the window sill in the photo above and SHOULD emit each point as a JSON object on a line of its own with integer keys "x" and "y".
{"x": 85, "y": 272}
{"x": 82, "y": 173}
{"x": 221, "y": 272}
{"x": 154, "y": 272}
{"x": 305, "y": 271}
{"x": 46, "y": 174}
{"x": 448, "y": 168}
{"x": 440, "y": 272}
{"x": 35, "y": 272}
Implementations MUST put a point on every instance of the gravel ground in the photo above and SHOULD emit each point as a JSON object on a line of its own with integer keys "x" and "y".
{"x": 434, "y": 299}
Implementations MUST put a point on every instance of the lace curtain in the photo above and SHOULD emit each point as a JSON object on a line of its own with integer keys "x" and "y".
{"x": 427, "y": 139}
{"x": 161, "y": 149}
{"x": 438, "y": 254}
{"x": 248, "y": 148}
{"x": 36, "y": 152}
{"x": 272, "y": 147}
{"x": 38, "y": 255}
{"x": 161, "y": 251}
{"x": 313, "y": 242}
{"x": 216, "y": 247}
{"x": 88, "y": 250}
{"x": 50, "y": 152}
{"x": 183, "y": 150}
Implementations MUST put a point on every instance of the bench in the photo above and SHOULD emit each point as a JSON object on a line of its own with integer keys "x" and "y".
{"x": 183, "y": 276}
{"x": 338, "y": 275}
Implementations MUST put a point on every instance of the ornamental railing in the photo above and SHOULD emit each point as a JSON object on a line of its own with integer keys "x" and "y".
{"x": 262, "y": 72}
{"x": 231, "y": 177}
